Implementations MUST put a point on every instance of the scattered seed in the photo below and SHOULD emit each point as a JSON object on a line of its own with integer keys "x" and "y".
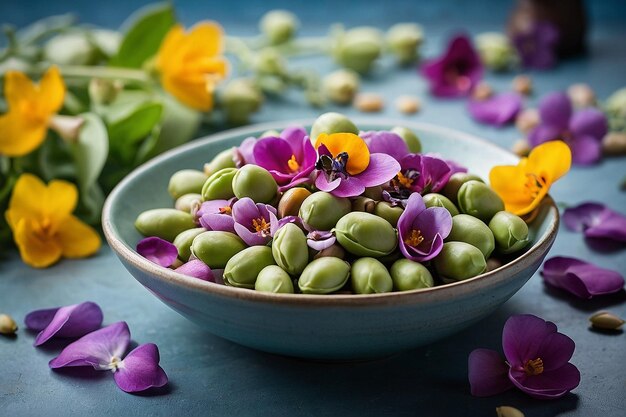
{"x": 614, "y": 143}
{"x": 581, "y": 95}
{"x": 507, "y": 411}
{"x": 408, "y": 104}
{"x": 368, "y": 102}
{"x": 522, "y": 84}
{"x": 7, "y": 325}
{"x": 482, "y": 91}
{"x": 606, "y": 321}
{"x": 527, "y": 120}
{"x": 521, "y": 147}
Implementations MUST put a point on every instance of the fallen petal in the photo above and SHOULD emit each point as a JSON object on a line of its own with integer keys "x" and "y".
{"x": 488, "y": 373}
{"x": 581, "y": 278}
{"x": 140, "y": 370}
{"x": 69, "y": 321}
{"x": 157, "y": 250}
{"x": 551, "y": 384}
{"x": 582, "y": 216}
{"x": 197, "y": 269}
{"x": 498, "y": 110}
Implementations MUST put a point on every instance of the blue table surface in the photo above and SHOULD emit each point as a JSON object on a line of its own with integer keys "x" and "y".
{"x": 211, "y": 376}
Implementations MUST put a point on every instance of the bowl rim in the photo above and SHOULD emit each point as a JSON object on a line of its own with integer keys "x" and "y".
{"x": 432, "y": 294}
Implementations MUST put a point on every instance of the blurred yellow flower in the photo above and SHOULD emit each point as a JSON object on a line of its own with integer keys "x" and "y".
{"x": 43, "y": 227}
{"x": 191, "y": 63}
{"x": 522, "y": 187}
{"x": 31, "y": 107}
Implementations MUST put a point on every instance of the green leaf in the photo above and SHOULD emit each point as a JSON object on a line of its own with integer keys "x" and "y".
{"x": 90, "y": 152}
{"x": 142, "y": 39}
{"x": 180, "y": 125}
{"x": 136, "y": 125}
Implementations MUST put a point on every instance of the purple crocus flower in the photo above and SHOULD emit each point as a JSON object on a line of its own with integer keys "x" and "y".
{"x": 217, "y": 215}
{"x": 243, "y": 154}
{"x": 582, "y": 131}
{"x": 197, "y": 269}
{"x": 536, "y": 46}
{"x": 104, "y": 350}
{"x": 596, "y": 221}
{"x": 456, "y": 72}
{"x": 421, "y": 230}
{"x": 581, "y": 278}
{"x": 254, "y": 223}
{"x": 290, "y": 158}
{"x": 421, "y": 174}
{"x": 385, "y": 142}
{"x": 498, "y": 110}
{"x": 157, "y": 250}
{"x": 537, "y": 361}
{"x": 70, "y": 321}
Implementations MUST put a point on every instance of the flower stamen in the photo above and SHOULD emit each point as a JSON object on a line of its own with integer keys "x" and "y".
{"x": 226, "y": 210}
{"x": 414, "y": 238}
{"x": 534, "y": 184}
{"x": 261, "y": 226}
{"x": 293, "y": 165}
{"x": 533, "y": 367}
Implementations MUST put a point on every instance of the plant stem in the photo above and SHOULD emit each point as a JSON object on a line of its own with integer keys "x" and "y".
{"x": 116, "y": 73}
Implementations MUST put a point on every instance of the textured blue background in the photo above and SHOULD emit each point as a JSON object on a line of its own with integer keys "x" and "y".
{"x": 210, "y": 376}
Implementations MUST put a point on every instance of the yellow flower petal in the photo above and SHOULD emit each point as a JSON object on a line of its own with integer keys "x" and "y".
{"x": 35, "y": 250}
{"x": 193, "y": 94}
{"x": 19, "y": 135}
{"x": 550, "y": 160}
{"x": 169, "y": 48}
{"x": 77, "y": 239}
{"x": 18, "y": 88}
{"x": 509, "y": 182}
{"x": 51, "y": 90}
{"x": 205, "y": 38}
{"x": 353, "y": 145}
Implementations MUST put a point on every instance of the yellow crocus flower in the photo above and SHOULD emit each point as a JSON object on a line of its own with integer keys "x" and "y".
{"x": 522, "y": 187}
{"x": 191, "y": 63}
{"x": 31, "y": 108}
{"x": 43, "y": 226}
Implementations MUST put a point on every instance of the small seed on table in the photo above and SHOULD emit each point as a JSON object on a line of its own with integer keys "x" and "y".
{"x": 408, "y": 104}
{"x": 368, "y": 102}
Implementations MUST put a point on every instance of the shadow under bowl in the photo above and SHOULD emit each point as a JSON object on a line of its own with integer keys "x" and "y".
{"x": 334, "y": 327}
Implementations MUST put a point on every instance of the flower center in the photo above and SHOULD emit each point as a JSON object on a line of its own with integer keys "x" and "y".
{"x": 405, "y": 181}
{"x": 261, "y": 226}
{"x": 293, "y": 164}
{"x": 414, "y": 238}
{"x": 333, "y": 167}
{"x": 226, "y": 210}
{"x": 43, "y": 228}
{"x": 533, "y": 367}
{"x": 115, "y": 364}
{"x": 534, "y": 184}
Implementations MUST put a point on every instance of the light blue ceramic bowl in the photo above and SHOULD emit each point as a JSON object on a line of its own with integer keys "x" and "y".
{"x": 341, "y": 327}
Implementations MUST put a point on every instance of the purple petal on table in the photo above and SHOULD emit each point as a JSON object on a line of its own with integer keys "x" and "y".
{"x": 611, "y": 225}
{"x": 548, "y": 385}
{"x": 488, "y": 373}
{"x": 349, "y": 187}
{"x": 322, "y": 183}
{"x": 536, "y": 44}
{"x": 586, "y": 150}
{"x": 381, "y": 169}
{"x": 589, "y": 122}
{"x": 583, "y": 216}
{"x": 97, "y": 348}
{"x": 157, "y": 250}
{"x": 197, "y": 269}
{"x": 581, "y": 278}
{"x": 497, "y": 110}
{"x": 522, "y": 337}
{"x": 272, "y": 153}
{"x": 218, "y": 222}
{"x": 544, "y": 133}
{"x": 38, "y": 320}
{"x": 70, "y": 321}
{"x": 385, "y": 142}
{"x": 555, "y": 110}
{"x": 140, "y": 370}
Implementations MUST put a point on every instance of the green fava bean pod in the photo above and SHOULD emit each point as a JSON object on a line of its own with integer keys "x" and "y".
{"x": 186, "y": 181}
{"x": 184, "y": 241}
{"x": 388, "y": 212}
{"x": 438, "y": 200}
{"x": 165, "y": 223}
{"x": 409, "y": 137}
{"x": 254, "y": 182}
{"x": 222, "y": 160}
{"x": 219, "y": 186}
{"x": 243, "y": 268}
{"x": 479, "y": 200}
{"x": 274, "y": 279}
{"x": 469, "y": 229}
{"x": 510, "y": 232}
{"x": 369, "y": 276}
{"x": 324, "y": 276}
{"x": 332, "y": 122}
{"x": 322, "y": 210}
{"x": 410, "y": 275}
{"x": 451, "y": 190}
{"x": 365, "y": 234}
{"x": 290, "y": 249}
{"x": 216, "y": 248}
{"x": 458, "y": 261}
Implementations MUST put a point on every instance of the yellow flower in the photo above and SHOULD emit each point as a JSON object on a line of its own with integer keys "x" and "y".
{"x": 43, "y": 227}
{"x": 31, "y": 107}
{"x": 191, "y": 64}
{"x": 522, "y": 187}
{"x": 349, "y": 143}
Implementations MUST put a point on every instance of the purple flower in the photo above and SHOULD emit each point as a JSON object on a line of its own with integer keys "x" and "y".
{"x": 290, "y": 158}
{"x": 197, "y": 269}
{"x": 254, "y": 223}
{"x": 243, "y": 154}
{"x": 320, "y": 240}
{"x": 455, "y": 167}
{"x": 70, "y": 321}
{"x": 596, "y": 220}
{"x": 537, "y": 45}
{"x": 157, "y": 250}
{"x": 582, "y": 131}
{"x": 385, "y": 142}
{"x": 104, "y": 349}
{"x": 581, "y": 278}
{"x": 421, "y": 230}
{"x": 497, "y": 110}
{"x": 456, "y": 72}
{"x": 536, "y": 361}
{"x": 217, "y": 215}
{"x": 419, "y": 174}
